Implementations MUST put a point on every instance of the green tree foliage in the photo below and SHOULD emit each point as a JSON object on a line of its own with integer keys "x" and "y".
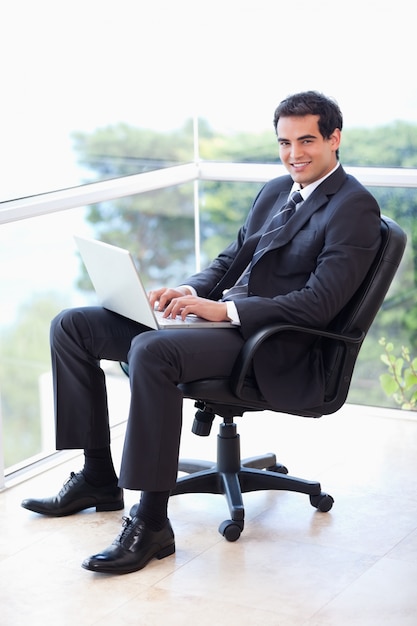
{"x": 400, "y": 379}
{"x": 121, "y": 150}
{"x": 158, "y": 227}
{"x": 226, "y": 205}
{"x": 393, "y": 145}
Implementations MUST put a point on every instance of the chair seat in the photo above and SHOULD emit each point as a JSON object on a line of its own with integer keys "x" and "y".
{"x": 218, "y": 392}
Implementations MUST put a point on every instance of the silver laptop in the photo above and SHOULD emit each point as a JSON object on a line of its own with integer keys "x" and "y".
{"x": 119, "y": 288}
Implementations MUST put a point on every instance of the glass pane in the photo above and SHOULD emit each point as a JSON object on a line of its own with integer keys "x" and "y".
{"x": 41, "y": 273}
{"x": 38, "y": 269}
{"x": 397, "y": 319}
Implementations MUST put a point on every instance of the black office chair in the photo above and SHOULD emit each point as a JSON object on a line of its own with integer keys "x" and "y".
{"x": 233, "y": 396}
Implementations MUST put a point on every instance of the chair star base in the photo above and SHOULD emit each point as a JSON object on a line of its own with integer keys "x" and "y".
{"x": 232, "y": 477}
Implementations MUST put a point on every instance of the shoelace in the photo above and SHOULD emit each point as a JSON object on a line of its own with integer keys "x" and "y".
{"x": 71, "y": 480}
{"x": 127, "y": 529}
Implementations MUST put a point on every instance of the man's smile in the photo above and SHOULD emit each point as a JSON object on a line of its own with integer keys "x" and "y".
{"x": 299, "y": 165}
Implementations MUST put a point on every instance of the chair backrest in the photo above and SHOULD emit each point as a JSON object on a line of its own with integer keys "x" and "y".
{"x": 359, "y": 313}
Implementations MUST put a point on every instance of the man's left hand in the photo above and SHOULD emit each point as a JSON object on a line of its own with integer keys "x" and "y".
{"x": 207, "y": 309}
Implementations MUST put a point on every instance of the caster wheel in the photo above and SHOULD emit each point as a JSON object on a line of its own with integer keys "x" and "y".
{"x": 278, "y": 468}
{"x": 322, "y": 502}
{"x": 230, "y": 530}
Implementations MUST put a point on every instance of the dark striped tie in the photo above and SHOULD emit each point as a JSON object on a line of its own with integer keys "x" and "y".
{"x": 277, "y": 222}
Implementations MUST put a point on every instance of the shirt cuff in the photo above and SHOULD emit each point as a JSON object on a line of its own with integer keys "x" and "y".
{"x": 232, "y": 313}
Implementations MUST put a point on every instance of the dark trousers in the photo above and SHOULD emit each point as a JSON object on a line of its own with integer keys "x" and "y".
{"x": 158, "y": 362}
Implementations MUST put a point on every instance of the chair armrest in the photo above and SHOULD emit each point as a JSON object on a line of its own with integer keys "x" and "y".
{"x": 244, "y": 360}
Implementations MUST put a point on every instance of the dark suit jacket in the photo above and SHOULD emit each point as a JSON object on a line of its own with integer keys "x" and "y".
{"x": 311, "y": 269}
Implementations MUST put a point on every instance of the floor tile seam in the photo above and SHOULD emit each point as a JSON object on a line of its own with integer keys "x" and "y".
{"x": 388, "y": 553}
{"x": 310, "y": 621}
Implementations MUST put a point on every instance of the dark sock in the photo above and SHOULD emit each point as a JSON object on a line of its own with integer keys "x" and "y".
{"x": 153, "y": 509}
{"x": 98, "y": 467}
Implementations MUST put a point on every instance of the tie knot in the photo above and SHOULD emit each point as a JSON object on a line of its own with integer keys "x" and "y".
{"x": 295, "y": 198}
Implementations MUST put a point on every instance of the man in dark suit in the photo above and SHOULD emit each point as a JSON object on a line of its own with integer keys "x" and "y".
{"x": 300, "y": 264}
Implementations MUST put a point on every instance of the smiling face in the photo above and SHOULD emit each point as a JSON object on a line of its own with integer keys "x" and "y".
{"x": 304, "y": 151}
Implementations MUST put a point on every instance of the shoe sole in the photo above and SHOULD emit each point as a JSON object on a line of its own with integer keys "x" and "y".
{"x": 110, "y": 506}
{"x": 100, "y": 508}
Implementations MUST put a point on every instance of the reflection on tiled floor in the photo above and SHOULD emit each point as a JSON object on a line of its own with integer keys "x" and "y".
{"x": 356, "y": 565}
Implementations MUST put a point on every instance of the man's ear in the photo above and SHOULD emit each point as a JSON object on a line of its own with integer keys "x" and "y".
{"x": 335, "y": 138}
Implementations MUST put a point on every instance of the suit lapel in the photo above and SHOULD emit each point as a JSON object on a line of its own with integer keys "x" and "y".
{"x": 318, "y": 198}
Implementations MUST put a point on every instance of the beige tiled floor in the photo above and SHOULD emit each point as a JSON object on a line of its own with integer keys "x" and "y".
{"x": 292, "y": 566}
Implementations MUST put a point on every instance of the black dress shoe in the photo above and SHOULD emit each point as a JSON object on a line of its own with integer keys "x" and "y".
{"x": 133, "y": 548}
{"x": 77, "y": 495}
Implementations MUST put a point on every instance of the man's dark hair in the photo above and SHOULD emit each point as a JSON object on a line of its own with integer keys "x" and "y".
{"x": 311, "y": 103}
